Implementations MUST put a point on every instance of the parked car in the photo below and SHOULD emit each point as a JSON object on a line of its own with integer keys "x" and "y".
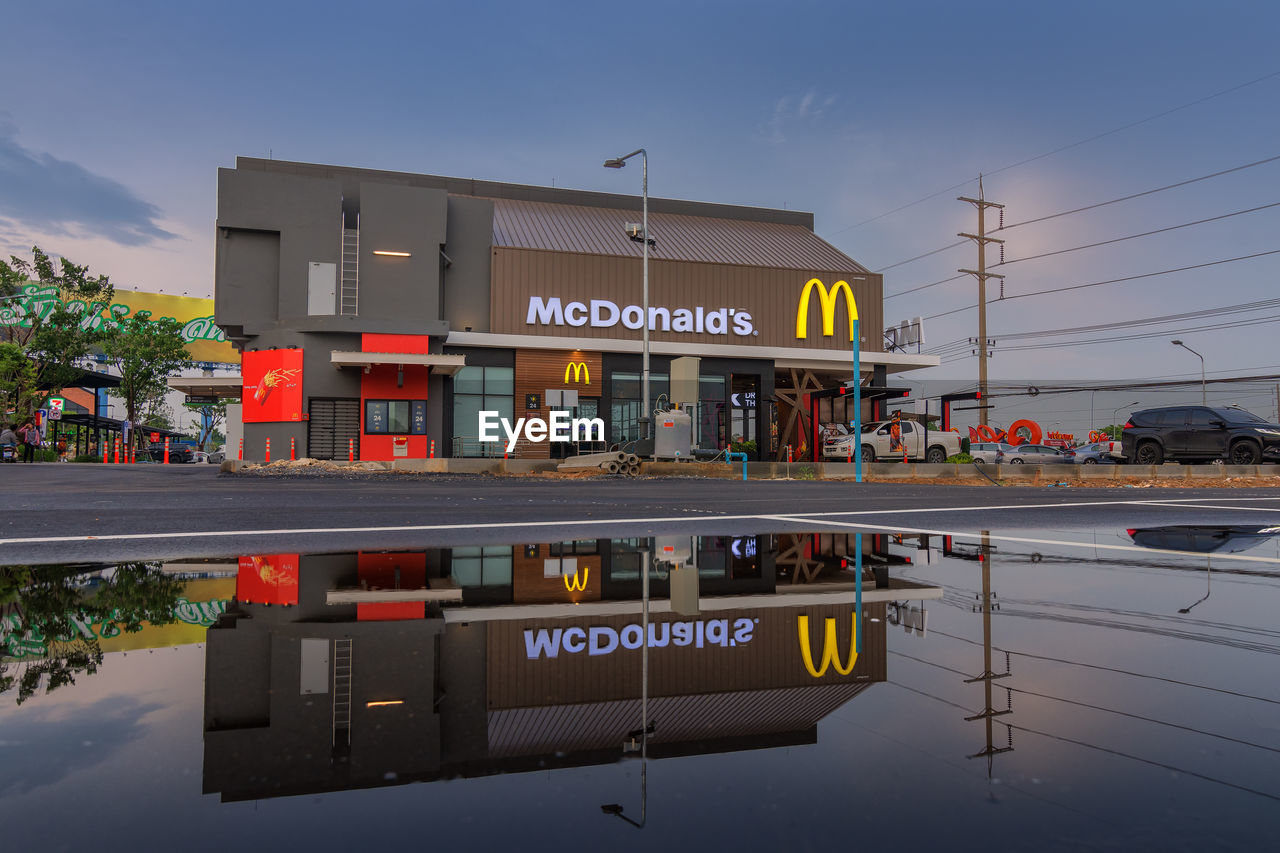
{"x": 985, "y": 451}
{"x": 1098, "y": 452}
{"x": 1199, "y": 434}
{"x": 217, "y": 457}
{"x": 178, "y": 453}
{"x": 1035, "y": 454}
{"x": 922, "y": 445}
{"x": 199, "y": 457}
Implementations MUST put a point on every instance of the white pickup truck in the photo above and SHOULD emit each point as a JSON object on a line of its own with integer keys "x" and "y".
{"x": 931, "y": 446}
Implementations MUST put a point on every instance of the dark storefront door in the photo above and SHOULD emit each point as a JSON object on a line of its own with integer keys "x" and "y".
{"x": 333, "y": 425}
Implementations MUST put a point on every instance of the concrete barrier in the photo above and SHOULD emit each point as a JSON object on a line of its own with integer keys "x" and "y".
{"x": 810, "y": 470}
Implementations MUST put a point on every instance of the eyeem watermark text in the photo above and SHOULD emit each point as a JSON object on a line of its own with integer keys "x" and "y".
{"x": 560, "y": 428}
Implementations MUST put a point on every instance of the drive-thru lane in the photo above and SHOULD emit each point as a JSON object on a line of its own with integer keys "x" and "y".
{"x": 83, "y": 512}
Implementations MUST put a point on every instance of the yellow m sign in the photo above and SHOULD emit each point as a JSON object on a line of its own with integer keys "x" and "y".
{"x": 830, "y": 647}
{"x": 579, "y": 371}
{"x": 827, "y": 299}
{"x": 573, "y": 584}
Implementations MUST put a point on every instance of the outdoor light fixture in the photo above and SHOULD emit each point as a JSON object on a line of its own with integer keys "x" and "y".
{"x": 618, "y": 163}
{"x": 1204, "y": 397}
{"x": 388, "y": 254}
{"x": 382, "y": 703}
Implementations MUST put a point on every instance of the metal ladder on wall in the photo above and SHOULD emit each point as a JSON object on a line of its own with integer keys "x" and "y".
{"x": 342, "y": 692}
{"x": 349, "y": 298}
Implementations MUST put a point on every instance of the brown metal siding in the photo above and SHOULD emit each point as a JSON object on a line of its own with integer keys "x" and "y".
{"x": 565, "y": 728}
{"x": 771, "y": 295}
{"x": 771, "y": 659}
{"x": 681, "y": 237}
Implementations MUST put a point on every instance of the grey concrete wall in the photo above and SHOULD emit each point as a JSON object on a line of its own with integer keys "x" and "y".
{"x": 307, "y": 215}
{"x": 247, "y": 271}
{"x": 401, "y": 219}
{"x": 469, "y": 245}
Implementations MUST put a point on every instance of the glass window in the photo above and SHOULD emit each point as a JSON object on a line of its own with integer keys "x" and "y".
{"x": 1173, "y": 417}
{"x": 487, "y": 565}
{"x": 394, "y": 417}
{"x": 477, "y": 389}
{"x": 1201, "y": 417}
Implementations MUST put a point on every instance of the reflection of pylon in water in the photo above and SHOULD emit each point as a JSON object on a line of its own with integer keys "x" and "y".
{"x": 988, "y": 713}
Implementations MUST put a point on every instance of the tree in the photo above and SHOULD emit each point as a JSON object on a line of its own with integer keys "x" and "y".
{"x": 210, "y": 417}
{"x": 147, "y": 352}
{"x": 16, "y": 373}
{"x": 53, "y": 315}
{"x": 53, "y": 618}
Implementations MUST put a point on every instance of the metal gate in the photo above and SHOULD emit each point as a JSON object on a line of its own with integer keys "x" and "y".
{"x": 333, "y": 424}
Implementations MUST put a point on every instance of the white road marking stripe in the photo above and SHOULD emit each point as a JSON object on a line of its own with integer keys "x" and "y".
{"x": 1215, "y": 506}
{"x": 1025, "y": 540}
{"x": 410, "y": 528}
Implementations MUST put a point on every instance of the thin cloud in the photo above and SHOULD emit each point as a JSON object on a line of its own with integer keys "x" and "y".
{"x": 789, "y": 111}
{"x": 39, "y": 191}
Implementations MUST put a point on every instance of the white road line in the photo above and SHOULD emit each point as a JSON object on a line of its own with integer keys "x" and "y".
{"x": 1213, "y": 506}
{"x": 519, "y": 525}
{"x": 1025, "y": 540}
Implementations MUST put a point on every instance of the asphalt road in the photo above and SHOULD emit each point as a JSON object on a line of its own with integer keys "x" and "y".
{"x": 62, "y": 513}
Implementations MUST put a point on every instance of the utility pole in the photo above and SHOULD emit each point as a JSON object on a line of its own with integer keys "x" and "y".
{"x": 1277, "y": 420}
{"x": 989, "y": 713}
{"x": 982, "y": 275}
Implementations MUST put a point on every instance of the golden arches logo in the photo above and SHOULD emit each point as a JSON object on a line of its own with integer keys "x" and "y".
{"x": 574, "y": 584}
{"x": 830, "y": 647}
{"x": 827, "y": 299}
{"x": 579, "y": 371}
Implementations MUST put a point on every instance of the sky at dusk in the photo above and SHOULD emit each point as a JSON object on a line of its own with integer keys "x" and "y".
{"x": 113, "y": 127}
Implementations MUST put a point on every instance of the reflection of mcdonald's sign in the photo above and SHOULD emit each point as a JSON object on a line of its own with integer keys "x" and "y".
{"x": 830, "y": 647}
{"x": 827, "y": 299}
{"x": 579, "y": 371}
{"x": 574, "y": 584}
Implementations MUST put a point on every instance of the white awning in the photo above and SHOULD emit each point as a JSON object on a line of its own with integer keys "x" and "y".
{"x": 444, "y": 364}
{"x": 222, "y": 387}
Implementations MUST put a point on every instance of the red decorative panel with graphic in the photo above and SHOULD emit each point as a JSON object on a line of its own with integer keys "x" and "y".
{"x": 268, "y": 579}
{"x": 272, "y": 385}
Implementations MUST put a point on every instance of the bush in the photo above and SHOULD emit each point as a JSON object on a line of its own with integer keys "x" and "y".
{"x": 87, "y": 457}
{"x": 964, "y": 445}
{"x": 747, "y": 447}
{"x": 960, "y": 457}
{"x": 805, "y": 474}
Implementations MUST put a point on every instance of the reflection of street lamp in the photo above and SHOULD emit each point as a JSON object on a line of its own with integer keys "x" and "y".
{"x": 615, "y": 809}
{"x": 1208, "y": 579}
{"x": 1204, "y": 397}
{"x": 618, "y": 163}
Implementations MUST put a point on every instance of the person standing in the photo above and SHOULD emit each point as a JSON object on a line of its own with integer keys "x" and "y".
{"x": 30, "y": 441}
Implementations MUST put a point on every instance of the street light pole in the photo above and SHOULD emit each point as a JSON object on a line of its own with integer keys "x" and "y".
{"x": 1204, "y": 396}
{"x": 1118, "y": 408}
{"x": 618, "y": 163}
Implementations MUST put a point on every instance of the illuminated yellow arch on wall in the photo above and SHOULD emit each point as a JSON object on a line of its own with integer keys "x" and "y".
{"x": 827, "y": 299}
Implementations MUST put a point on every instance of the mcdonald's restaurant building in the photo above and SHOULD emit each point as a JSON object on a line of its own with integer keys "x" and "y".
{"x": 378, "y": 313}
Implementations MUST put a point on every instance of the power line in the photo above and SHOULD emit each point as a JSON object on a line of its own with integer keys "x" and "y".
{"x": 1217, "y": 174}
{"x": 1113, "y": 281}
{"x": 1062, "y": 148}
{"x": 1141, "y": 194}
{"x": 1135, "y": 236}
{"x": 925, "y": 255}
{"x": 1234, "y": 324}
{"x": 924, "y": 286}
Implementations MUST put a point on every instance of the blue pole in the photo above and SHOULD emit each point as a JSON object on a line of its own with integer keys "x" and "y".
{"x": 857, "y": 428}
{"x": 857, "y": 591}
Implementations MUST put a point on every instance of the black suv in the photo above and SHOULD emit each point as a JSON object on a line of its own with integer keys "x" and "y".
{"x": 1199, "y": 433}
{"x": 178, "y": 453}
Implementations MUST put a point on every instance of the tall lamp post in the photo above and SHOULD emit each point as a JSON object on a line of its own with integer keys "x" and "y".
{"x": 1118, "y": 408}
{"x": 618, "y": 163}
{"x": 1204, "y": 397}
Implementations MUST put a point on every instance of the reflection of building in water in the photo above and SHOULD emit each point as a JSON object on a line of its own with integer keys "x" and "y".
{"x": 538, "y": 667}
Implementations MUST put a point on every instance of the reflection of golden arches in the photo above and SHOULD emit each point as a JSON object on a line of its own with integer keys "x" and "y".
{"x": 827, "y": 299}
{"x": 572, "y": 583}
{"x": 830, "y": 647}
{"x": 580, "y": 372}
